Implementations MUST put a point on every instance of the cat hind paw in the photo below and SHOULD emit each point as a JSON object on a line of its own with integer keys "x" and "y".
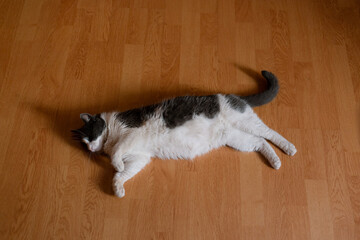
{"x": 276, "y": 165}
{"x": 290, "y": 149}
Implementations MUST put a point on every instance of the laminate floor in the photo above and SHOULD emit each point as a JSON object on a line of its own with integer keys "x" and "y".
{"x": 60, "y": 58}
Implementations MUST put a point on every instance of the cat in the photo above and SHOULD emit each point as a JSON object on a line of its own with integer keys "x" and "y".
{"x": 182, "y": 128}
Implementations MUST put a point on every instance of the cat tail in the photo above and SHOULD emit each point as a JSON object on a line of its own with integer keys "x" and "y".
{"x": 268, "y": 95}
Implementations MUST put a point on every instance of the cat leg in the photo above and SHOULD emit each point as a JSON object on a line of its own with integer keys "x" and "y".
{"x": 132, "y": 166}
{"x": 117, "y": 159}
{"x": 118, "y": 164}
{"x": 243, "y": 141}
{"x": 252, "y": 124}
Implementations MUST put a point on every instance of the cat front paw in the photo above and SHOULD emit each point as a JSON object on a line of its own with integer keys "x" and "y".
{"x": 118, "y": 165}
{"x": 290, "y": 149}
{"x": 118, "y": 186}
{"x": 119, "y": 191}
{"x": 276, "y": 164}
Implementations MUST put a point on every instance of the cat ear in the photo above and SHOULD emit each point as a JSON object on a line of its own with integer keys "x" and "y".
{"x": 85, "y": 117}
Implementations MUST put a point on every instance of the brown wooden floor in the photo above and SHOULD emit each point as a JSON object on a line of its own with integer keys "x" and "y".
{"x": 63, "y": 57}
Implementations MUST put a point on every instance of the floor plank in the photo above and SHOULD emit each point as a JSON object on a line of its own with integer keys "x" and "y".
{"x": 61, "y": 58}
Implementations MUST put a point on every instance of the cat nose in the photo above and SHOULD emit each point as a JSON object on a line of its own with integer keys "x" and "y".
{"x": 91, "y": 148}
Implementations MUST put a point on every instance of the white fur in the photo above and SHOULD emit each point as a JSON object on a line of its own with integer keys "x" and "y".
{"x": 131, "y": 149}
{"x": 95, "y": 145}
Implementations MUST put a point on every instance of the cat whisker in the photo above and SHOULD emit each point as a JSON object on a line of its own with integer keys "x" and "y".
{"x": 77, "y": 135}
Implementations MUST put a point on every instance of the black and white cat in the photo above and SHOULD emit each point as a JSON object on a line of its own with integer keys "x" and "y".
{"x": 182, "y": 128}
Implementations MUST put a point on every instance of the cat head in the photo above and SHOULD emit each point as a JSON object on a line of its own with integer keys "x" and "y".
{"x": 92, "y": 133}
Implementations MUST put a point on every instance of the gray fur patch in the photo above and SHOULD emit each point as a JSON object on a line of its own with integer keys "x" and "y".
{"x": 236, "y": 102}
{"x": 179, "y": 110}
{"x": 175, "y": 112}
{"x": 136, "y": 117}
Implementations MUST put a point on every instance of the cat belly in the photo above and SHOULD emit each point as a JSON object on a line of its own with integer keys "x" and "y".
{"x": 192, "y": 139}
{"x": 181, "y": 150}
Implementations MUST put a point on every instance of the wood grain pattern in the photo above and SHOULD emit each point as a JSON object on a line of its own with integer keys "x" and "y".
{"x": 60, "y": 58}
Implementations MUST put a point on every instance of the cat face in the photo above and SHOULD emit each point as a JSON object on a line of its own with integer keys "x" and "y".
{"x": 92, "y": 133}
